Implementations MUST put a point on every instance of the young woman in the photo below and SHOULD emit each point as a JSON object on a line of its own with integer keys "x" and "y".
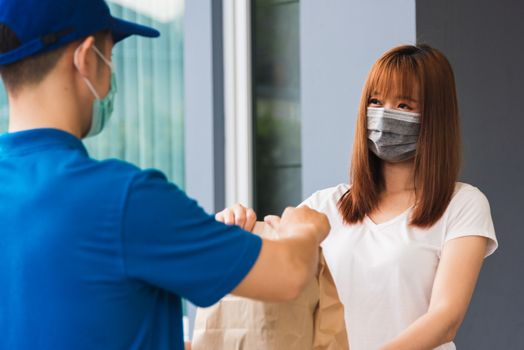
{"x": 407, "y": 240}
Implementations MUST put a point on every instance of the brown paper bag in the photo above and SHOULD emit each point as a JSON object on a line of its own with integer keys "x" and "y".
{"x": 313, "y": 321}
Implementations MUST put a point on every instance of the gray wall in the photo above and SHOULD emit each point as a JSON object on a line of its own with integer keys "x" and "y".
{"x": 340, "y": 40}
{"x": 484, "y": 42}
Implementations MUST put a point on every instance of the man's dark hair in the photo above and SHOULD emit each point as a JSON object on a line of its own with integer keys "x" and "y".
{"x": 31, "y": 70}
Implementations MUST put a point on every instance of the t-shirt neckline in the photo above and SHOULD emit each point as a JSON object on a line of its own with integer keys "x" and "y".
{"x": 394, "y": 219}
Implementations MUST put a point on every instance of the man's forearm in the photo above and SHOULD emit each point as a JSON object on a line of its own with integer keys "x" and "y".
{"x": 282, "y": 269}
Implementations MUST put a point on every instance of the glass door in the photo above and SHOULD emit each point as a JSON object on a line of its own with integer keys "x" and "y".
{"x": 277, "y": 161}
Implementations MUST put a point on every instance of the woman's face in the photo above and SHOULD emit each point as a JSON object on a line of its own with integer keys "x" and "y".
{"x": 409, "y": 103}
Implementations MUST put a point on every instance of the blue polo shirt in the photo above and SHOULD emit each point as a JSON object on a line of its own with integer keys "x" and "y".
{"x": 97, "y": 254}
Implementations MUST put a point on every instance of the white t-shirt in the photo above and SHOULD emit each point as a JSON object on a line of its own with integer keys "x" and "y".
{"x": 384, "y": 273}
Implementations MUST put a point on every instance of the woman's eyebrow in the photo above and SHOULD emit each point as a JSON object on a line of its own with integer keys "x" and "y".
{"x": 409, "y": 98}
{"x": 399, "y": 97}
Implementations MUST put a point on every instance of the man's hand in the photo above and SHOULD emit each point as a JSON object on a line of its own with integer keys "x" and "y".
{"x": 297, "y": 221}
{"x": 293, "y": 222}
{"x": 286, "y": 264}
{"x": 238, "y": 215}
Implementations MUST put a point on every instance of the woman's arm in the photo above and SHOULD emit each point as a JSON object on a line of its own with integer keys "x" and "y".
{"x": 453, "y": 288}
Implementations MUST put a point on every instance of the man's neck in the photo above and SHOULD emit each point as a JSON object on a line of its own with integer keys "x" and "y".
{"x": 44, "y": 106}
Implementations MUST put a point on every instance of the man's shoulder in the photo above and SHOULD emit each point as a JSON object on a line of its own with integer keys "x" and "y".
{"x": 115, "y": 167}
{"x": 115, "y": 174}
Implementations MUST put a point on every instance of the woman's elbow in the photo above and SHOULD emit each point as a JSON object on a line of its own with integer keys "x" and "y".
{"x": 453, "y": 328}
{"x": 450, "y": 336}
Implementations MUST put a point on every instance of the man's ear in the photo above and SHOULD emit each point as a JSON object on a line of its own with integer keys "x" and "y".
{"x": 85, "y": 57}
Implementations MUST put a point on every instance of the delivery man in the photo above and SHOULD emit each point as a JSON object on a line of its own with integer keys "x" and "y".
{"x": 97, "y": 254}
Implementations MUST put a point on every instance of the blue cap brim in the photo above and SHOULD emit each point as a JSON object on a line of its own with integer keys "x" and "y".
{"x": 122, "y": 29}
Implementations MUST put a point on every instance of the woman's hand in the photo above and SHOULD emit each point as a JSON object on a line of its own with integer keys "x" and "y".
{"x": 238, "y": 215}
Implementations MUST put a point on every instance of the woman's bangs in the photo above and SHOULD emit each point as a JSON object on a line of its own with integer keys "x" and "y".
{"x": 394, "y": 77}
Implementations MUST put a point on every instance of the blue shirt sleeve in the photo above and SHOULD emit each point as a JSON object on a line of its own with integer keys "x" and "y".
{"x": 171, "y": 243}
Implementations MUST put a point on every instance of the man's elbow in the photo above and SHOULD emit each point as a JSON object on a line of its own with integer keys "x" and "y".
{"x": 296, "y": 282}
{"x": 296, "y": 288}
{"x": 292, "y": 291}
{"x": 295, "y": 272}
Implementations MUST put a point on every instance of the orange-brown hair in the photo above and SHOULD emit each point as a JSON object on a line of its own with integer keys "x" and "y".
{"x": 437, "y": 159}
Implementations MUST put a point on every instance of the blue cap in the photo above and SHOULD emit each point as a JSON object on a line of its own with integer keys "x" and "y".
{"x": 44, "y": 25}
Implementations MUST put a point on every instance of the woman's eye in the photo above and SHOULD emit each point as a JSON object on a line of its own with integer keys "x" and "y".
{"x": 374, "y": 101}
{"x": 404, "y": 106}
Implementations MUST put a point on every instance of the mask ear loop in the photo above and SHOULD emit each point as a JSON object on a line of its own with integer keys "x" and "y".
{"x": 88, "y": 83}
{"x": 106, "y": 61}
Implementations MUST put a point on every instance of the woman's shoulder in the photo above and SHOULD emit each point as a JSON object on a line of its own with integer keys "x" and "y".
{"x": 465, "y": 192}
{"x": 469, "y": 214}
{"x": 326, "y": 198}
{"x": 468, "y": 201}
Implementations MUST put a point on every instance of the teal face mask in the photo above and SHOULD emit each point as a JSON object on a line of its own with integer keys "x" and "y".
{"x": 102, "y": 107}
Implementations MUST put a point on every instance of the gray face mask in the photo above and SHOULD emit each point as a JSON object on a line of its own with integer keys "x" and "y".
{"x": 392, "y": 134}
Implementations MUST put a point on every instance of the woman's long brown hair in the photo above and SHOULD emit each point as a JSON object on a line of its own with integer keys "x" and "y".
{"x": 437, "y": 159}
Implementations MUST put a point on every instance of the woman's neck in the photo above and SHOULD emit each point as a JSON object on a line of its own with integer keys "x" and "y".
{"x": 399, "y": 177}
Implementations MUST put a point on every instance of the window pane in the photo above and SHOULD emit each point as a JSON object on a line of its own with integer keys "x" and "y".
{"x": 276, "y": 93}
{"x": 147, "y": 126}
